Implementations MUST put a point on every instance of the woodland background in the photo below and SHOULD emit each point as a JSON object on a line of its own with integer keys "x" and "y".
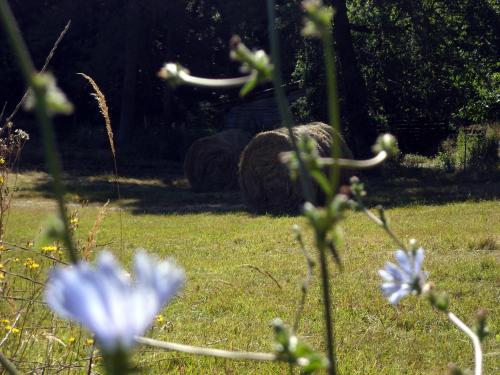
{"x": 420, "y": 69}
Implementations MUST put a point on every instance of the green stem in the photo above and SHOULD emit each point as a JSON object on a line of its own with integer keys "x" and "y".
{"x": 48, "y": 137}
{"x": 334, "y": 119}
{"x": 8, "y": 365}
{"x": 325, "y": 288}
{"x": 285, "y": 113}
{"x": 117, "y": 363}
{"x": 383, "y": 225}
{"x": 333, "y": 106}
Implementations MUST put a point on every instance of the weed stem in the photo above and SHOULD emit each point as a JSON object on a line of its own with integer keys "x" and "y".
{"x": 8, "y": 365}
{"x": 478, "y": 354}
{"x": 197, "y": 350}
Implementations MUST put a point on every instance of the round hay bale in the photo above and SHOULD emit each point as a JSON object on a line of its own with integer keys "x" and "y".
{"x": 265, "y": 180}
{"x": 211, "y": 163}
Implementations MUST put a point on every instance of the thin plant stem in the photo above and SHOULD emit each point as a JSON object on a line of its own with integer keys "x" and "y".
{"x": 213, "y": 82}
{"x": 325, "y": 288}
{"x": 44, "y": 68}
{"x": 284, "y": 109}
{"x": 478, "y": 354}
{"x": 333, "y": 106}
{"x": 91, "y": 359}
{"x": 252, "y": 356}
{"x": 48, "y": 137}
{"x": 383, "y": 225}
{"x": 334, "y": 118}
{"x": 357, "y": 164}
{"x": 3, "y": 111}
{"x": 305, "y": 284}
{"x": 304, "y": 178}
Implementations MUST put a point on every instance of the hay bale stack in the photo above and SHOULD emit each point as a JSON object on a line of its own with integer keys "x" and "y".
{"x": 265, "y": 181}
{"x": 211, "y": 163}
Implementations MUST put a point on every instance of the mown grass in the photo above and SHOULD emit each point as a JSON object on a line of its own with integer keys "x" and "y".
{"x": 227, "y": 303}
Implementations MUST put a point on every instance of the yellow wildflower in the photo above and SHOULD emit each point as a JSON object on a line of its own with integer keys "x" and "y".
{"x": 14, "y": 330}
{"x": 2, "y": 161}
{"x": 5, "y": 321}
{"x": 31, "y": 264}
{"x": 74, "y": 221}
{"x": 2, "y": 180}
{"x": 71, "y": 340}
{"x": 48, "y": 249}
{"x": 160, "y": 318}
{"x": 89, "y": 342}
{"x": 2, "y": 276}
{"x": 16, "y": 260}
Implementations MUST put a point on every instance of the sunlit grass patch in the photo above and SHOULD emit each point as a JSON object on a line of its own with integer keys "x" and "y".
{"x": 227, "y": 303}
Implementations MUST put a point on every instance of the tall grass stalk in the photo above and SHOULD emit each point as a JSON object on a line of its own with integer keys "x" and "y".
{"x": 44, "y": 68}
{"x": 103, "y": 108}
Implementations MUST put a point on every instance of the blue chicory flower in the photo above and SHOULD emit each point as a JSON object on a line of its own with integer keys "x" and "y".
{"x": 408, "y": 277}
{"x": 105, "y": 300}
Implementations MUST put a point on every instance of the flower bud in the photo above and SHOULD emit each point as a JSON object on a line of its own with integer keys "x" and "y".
{"x": 440, "y": 301}
{"x": 388, "y": 143}
{"x": 412, "y": 245}
{"x": 55, "y": 99}
{"x": 171, "y": 72}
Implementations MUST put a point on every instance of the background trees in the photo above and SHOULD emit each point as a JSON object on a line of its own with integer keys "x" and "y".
{"x": 401, "y": 65}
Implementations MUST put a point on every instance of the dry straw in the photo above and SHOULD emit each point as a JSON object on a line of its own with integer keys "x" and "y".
{"x": 265, "y": 180}
{"x": 92, "y": 236}
{"x": 103, "y": 108}
{"x": 211, "y": 163}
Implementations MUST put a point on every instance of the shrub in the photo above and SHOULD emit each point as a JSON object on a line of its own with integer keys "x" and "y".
{"x": 476, "y": 148}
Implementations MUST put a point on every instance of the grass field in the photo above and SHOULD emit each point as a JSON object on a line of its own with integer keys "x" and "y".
{"x": 230, "y": 298}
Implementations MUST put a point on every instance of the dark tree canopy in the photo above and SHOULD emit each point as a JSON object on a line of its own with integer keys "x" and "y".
{"x": 404, "y": 63}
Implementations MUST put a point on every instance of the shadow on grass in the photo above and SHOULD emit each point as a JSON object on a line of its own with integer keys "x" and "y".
{"x": 143, "y": 192}
{"x": 409, "y": 186}
{"x": 144, "y": 196}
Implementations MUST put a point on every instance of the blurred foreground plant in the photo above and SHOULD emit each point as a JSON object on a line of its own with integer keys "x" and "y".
{"x": 114, "y": 309}
{"x": 98, "y": 297}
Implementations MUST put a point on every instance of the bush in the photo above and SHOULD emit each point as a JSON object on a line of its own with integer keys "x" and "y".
{"x": 476, "y": 148}
{"x": 446, "y": 155}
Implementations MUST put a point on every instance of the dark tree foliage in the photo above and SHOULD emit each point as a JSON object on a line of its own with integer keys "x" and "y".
{"x": 404, "y": 63}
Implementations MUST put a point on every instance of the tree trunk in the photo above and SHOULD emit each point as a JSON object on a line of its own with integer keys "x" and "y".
{"x": 362, "y": 133}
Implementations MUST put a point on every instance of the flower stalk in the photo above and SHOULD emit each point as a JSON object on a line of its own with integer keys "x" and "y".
{"x": 197, "y": 350}
{"x": 8, "y": 365}
{"x": 476, "y": 343}
{"x": 176, "y": 75}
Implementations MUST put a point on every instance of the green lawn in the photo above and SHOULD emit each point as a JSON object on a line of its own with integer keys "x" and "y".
{"x": 229, "y": 301}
